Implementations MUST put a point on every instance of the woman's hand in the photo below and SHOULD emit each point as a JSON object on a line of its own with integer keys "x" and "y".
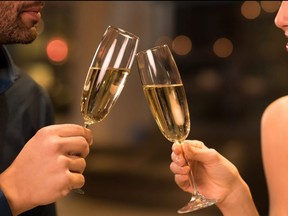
{"x": 216, "y": 177}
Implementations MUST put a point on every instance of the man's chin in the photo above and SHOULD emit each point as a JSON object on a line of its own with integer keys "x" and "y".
{"x": 26, "y": 42}
{"x": 21, "y": 39}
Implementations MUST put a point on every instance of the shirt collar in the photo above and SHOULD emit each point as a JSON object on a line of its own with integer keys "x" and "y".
{"x": 7, "y": 70}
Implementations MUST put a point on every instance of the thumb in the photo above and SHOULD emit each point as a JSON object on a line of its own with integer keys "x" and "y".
{"x": 196, "y": 150}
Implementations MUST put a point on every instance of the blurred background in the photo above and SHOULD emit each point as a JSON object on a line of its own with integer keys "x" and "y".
{"x": 233, "y": 63}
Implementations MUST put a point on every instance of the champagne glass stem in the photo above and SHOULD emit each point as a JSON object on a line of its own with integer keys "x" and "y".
{"x": 191, "y": 175}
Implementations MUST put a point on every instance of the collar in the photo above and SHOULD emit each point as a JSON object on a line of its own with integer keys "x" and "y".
{"x": 8, "y": 73}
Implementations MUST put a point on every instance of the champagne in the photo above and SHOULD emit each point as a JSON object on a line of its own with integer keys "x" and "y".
{"x": 101, "y": 90}
{"x": 169, "y": 107}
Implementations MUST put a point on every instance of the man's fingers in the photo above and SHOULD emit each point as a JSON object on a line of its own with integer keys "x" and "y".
{"x": 76, "y": 164}
{"x": 75, "y": 146}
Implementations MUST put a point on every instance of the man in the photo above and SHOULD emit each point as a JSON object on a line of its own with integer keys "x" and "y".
{"x": 39, "y": 162}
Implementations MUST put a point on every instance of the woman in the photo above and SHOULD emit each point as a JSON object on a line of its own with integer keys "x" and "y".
{"x": 219, "y": 178}
{"x": 274, "y": 138}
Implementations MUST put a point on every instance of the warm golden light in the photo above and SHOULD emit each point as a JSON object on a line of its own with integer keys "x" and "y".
{"x": 208, "y": 80}
{"x": 250, "y": 9}
{"x": 270, "y": 6}
{"x": 253, "y": 85}
{"x": 182, "y": 45}
{"x": 57, "y": 50}
{"x": 43, "y": 75}
{"x": 223, "y": 47}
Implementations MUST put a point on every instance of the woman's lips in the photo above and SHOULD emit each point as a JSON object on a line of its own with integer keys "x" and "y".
{"x": 286, "y": 35}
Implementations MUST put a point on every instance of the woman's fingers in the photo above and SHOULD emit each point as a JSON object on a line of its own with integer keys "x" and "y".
{"x": 183, "y": 182}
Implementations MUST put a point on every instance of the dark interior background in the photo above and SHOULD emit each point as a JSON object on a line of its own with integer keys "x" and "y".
{"x": 129, "y": 161}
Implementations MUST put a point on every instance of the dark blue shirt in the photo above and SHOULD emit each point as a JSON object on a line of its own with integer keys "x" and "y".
{"x": 24, "y": 108}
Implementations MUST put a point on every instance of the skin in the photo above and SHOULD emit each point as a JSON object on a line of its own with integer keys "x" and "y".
{"x": 274, "y": 138}
{"x": 52, "y": 162}
{"x": 46, "y": 169}
{"x": 212, "y": 167}
{"x": 18, "y": 20}
{"x": 216, "y": 177}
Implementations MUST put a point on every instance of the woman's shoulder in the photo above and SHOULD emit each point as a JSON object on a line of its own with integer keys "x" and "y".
{"x": 277, "y": 110}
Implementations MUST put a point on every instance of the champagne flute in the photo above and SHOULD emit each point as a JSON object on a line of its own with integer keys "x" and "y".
{"x": 165, "y": 94}
{"x": 107, "y": 74}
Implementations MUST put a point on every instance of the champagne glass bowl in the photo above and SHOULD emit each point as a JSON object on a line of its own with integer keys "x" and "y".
{"x": 107, "y": 74}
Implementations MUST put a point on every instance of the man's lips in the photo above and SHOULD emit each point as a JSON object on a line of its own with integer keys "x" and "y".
{"x": 32, "y": 7}
{"x": 32, "y": 13}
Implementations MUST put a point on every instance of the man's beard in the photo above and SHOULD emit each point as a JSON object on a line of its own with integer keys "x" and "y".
{"x": 18, "y": 33}
{"x": 13, "y": 30}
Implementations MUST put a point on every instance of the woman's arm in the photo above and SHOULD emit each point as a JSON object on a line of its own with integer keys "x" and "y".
{"x": 274, "y": 143}
{"x": 216, "y": 177}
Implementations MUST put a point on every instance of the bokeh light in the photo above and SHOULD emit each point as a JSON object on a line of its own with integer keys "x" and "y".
{"x": 182, "y": 45}
{"x": 208, "y": 80}
{"x": 43, "y": 74}
{"x": 270, "y": 6}
{"x": 250, "y": 9}
{"x": 223, "y": 47}
{"x": 57, "y": 50}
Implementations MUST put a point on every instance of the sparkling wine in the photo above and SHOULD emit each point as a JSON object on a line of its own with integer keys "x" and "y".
{"x": 101, "y": 90}
{"x": 169, "y": 107}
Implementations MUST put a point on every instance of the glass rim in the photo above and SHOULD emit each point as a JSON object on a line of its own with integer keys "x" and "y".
{"x": 153, "y": 48}
{"x": 132, "y": 35}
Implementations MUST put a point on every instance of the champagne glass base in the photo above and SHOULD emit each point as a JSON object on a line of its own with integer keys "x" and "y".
{"x": 197, "y": 202}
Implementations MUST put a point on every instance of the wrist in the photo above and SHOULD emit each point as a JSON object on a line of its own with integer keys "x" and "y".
{"x": 239, "y": 201}
{"x": 9, "y": 191}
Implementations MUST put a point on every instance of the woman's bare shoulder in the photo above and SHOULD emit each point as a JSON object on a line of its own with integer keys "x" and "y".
{"x": 278, "y": 108}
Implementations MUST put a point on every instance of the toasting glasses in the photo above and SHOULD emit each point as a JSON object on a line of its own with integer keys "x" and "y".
{"x": 165, "y": 94}
{"x": 107, "y": 74}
